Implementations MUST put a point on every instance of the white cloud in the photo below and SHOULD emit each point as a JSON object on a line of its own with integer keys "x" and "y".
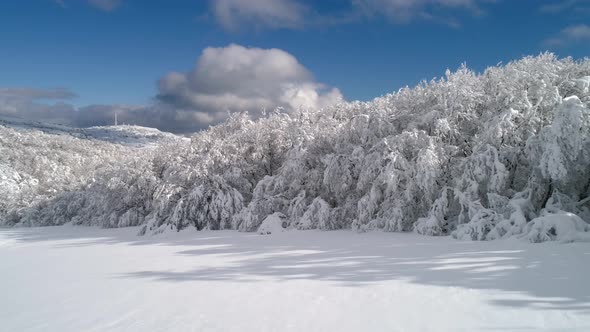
{"x": 236, "y": 78}
{"x": 49, "y": 105}
{"x": 60, "y": 3}
{"x": 225, "y": 79}
{"x": 569, "y": 35}
{"x": 232, "y": 14}
{"x": 106, "y": 5}
{"x": 32, "y": 104}
{"x": 581, "y": 31}
{"x": 557, "y": 7}
{"x": 403, "y": 11}
{"x": 292, "y": 14}
{"x": 30, "y": 94}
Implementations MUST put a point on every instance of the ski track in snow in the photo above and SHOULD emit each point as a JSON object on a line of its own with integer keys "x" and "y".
{"x": 86, "y": 279}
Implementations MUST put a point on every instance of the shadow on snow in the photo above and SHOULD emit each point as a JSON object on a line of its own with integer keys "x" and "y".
{"x": 549, "y": 275}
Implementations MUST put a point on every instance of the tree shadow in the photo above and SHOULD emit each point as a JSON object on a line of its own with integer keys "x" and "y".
{"x": 539, "y": 276}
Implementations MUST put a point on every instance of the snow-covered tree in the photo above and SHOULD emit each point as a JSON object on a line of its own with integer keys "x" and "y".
{"x": 477, "y": 156}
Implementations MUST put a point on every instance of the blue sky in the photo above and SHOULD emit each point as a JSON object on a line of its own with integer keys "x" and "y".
{"x": 114, "y": 52}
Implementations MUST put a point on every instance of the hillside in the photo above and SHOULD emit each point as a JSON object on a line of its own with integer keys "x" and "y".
{"x": 122, "y": 134}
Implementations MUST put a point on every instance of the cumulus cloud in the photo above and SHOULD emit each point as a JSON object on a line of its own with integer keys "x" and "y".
{"x": 569, "y": 35}
{"x": 224, "y": 79}
{"x": 37, "y": 104}
{"x": 261, "y": 13}
{"x": 237, "y": 78}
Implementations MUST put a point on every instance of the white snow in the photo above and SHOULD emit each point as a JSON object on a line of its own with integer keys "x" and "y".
{"x": 563, "y": 227}
{"x": 86, "y": 279}
{"x": 132, "y": 135}
{"x": 274, "y": 223}
{"x": 129, "y": 135}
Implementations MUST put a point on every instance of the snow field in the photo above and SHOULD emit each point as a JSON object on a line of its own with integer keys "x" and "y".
{"x": 86, "y": 279}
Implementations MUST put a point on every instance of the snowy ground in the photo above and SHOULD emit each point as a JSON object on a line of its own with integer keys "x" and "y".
{"x": 135, "y": 136}
{"x": 86, "y": 279}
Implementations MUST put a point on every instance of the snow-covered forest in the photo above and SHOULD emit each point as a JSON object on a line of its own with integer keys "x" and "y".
{"x": 478, "y": 156}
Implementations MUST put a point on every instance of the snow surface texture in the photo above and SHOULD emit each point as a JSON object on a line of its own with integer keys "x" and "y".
{"x": 87, "y": 279}
{"x": 504, "y": 153}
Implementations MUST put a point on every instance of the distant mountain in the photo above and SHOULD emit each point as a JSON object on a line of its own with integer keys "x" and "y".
{"x": 121, "y": 134}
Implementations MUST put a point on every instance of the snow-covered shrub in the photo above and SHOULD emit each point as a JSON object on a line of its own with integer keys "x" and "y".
{"x": 211, "y": 205}
{"x": 318, "y": 215}
{"x": 563, "y": 227}
{"x": 267, "y": 199}
{"x": 274, "y": 223}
